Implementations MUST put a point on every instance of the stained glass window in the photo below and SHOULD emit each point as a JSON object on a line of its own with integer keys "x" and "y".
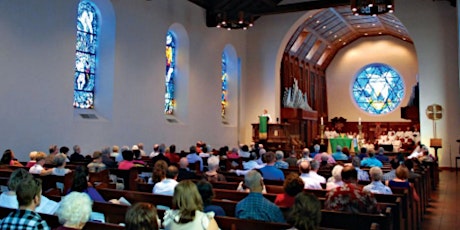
{"x": 224, "y": 97}
{"x": 85, "y": 63}
{"x": 378, "y": 89}
{"x": 170, "y": 73}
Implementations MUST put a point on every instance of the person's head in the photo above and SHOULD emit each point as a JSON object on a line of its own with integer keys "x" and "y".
{"x": 371, "y": 153}
{"x": 128, "y": 155}
{"x": 97, "y": 156}
{"x": 346, "y": 151}
{"x": 306, "y": 212}
{"x": 394, "y": 163}
{"x": 206, "y": 192}
{"x": 105, "y": 151}
{"x": 337, "y": 173}
{"x": 356, "y": 162}
{"x": 172, "y": 148}
{"x": 7, "y": 157}
{"x": 304, "y": 166}
{"x": 409, "y": 163}
{"x": 316, "y": 148}
{"x": 324, "y": 158}
{"x": 245, "y": 148}
{"x": 338, "y": 148}
{"x": 59, "y": 160}
{"x": 363, "y": 150}
{"x": 76, "y": 149}
{"x": 156, "y": 147}
{"x": 136, "y": 152}
{"x": 140, "y": 145}
{"x": 52, "y": 149}
{"x": 32, "y": 155}
{"x": 115, "y": 148}
{"x": 187, "y": 200}
{"x": 172, "y": 172}
{"x": 254, "y": 181}
{"x": 269, "y": 157}
{"x": 16, "y": 177}
{"x": 192, "y": 149}
{"x": 279, "y": 155}
{"x": 74, "y": 209}
{"x": 314, "y": 165}
{"x": 265, "y": 111}
{"x": 402, "y": 172}
{"x": 213, "y": 163}
{"x": 64, "y": 149}
{"x": 376, "y": 173}
{"x": 141, "y": 216}
{"x": 381, "y": 151}
{"x": 159, "y": 170}
{"x": 28, "y": 192}
{"x": 40, "y": 158}
{"x": 80, "y": 181}
{"x": 293, "y": 185}
{"x": 305, "y": 152}
{"x": 349, "y": 174}
{"x": 183, "y": 163}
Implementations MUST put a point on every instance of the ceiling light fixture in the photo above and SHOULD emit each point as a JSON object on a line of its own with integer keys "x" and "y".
{"x": 372, "y": 7}
{"x": 239, "y": 21}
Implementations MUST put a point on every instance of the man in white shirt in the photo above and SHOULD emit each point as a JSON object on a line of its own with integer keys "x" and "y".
{"x": 310, "y": 181}
{"x": 314, "y": 165}
{"x": 156, "y": 151}
{"x": 167, "y": 185}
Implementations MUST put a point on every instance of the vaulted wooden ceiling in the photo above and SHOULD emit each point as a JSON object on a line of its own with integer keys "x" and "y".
{"x": 322, "y": 35}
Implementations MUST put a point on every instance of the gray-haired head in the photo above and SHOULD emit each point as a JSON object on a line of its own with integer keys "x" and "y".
{"x": 279, "y": 155}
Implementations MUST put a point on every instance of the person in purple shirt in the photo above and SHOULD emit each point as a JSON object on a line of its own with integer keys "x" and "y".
{"x": 193, "y": 157}
{"x": 80, "y": 184}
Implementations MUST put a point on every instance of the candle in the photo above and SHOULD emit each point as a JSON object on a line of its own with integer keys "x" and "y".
{"x": 322, "y": 121}
{"x": 359, "y": 121}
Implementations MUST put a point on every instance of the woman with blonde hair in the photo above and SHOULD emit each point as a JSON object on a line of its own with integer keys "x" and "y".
{"x": 188, "y": 213}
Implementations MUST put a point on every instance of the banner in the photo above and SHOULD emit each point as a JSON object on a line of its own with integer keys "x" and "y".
{"x": 263, "y": 127}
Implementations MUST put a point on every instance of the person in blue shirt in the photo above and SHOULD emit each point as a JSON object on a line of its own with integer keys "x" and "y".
{"x": 371, "y": 161}
{"x": 193, "y": 157}
{"x": 270, "y": 172}
{"x": 339, "y": 155}
{"x": 255, "y": 206}
{"x": 381, "y": 157}
{"x": 316, "y": 149}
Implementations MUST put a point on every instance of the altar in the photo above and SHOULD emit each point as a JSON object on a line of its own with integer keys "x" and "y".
{"x": 342, "y": 141}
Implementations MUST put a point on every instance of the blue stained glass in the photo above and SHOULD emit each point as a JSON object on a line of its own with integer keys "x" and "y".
{"x": 224, "y": 79}
{"x": 85, "y": 60}
{"x": 378, "y": 89}
{"x": 170, "y": 55}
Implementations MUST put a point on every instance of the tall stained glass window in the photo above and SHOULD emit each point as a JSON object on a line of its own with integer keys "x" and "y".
{"x": 378, "y": 89}
{"x": 170, "y": 73}
{"x": 224, "y": 96}
{"x": 85, "y": 63}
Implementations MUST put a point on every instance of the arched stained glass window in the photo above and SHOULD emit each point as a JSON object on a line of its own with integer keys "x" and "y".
{"x": 170, "y": 73}
{"x": 378, "y": 89}
{"x": 85, "y": 63}
{"x": 224, "y": 97}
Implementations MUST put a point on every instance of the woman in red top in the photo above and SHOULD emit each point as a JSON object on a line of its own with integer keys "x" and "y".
{"x": 293, "y": 185}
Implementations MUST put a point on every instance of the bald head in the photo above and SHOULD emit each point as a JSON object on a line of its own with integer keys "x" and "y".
{"x": 304, "y": 166}
{"x": 183, "y": 162}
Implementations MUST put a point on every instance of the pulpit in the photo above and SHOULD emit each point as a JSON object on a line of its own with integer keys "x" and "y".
{"x": 277, "y": 136}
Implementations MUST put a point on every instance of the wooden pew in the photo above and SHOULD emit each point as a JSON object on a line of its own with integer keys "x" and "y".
{"x": 232, "y": 223}
{"x": 347, "y": 220}
{"x": 129, "y": 177}
{"x": 49, "y": 181}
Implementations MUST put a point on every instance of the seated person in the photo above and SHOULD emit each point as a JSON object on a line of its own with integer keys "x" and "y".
{"x": 349, "y": 197}
{"x": 60, "y": 163}
{"x": 81, "y": 184}
{"x": 166, "y": 185}
{"x": 401, "y": 181}
{"x": 28, "y": 194}
{"x": 362, "y": 175}
{"x": 38, "y": 167}
{"x": 371, "y": 161}
{"x": 376, "y": 186}
{"x": 9, "y": 199}
{"x": 292, "y": 186}
{"x": 336, "y": 179}
{"x": 270, "y": 172}
{"x": 8, "y": 158}
{"x": 32, "y": 161}
{"x": 279, "y": 160}
{"x": 143, "y": 216}
{"x": 184, "y": 171}
{"x": 189, "y": 210}
{"x": 74, "y": 211}
{"x": 362, "y": 153}
{"x": 306, "y": 212}
{"x": 207, "y": 194}
{"x": 128, "y": 160}
{"x": 381, "y": 156}
{"x": 212, "y": 175}
{"x": 96, "y": 165}
{"x": 339, "y": 155}
{"x": 255, "y": 206}
{"x": 159, "y": 172}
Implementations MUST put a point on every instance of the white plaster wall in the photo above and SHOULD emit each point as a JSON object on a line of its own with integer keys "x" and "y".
{"x": 37, "y": 57}
{"x": 342, "y": 71}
